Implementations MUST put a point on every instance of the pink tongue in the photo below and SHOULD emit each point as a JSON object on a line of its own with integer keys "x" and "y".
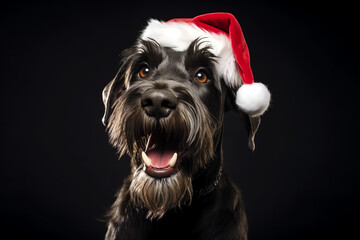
{"x": 159, "y": 159}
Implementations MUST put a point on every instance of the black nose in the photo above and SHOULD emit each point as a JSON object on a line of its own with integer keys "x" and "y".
{"x": 158, "y": 103}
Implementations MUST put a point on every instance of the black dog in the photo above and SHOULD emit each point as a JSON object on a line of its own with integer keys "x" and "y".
{"x": 165, "y": 109}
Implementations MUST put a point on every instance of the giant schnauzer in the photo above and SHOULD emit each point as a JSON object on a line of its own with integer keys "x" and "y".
{"x": 165, "y": 109}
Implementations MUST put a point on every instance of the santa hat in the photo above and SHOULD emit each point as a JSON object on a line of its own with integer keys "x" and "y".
{"x": 223, "y": 33}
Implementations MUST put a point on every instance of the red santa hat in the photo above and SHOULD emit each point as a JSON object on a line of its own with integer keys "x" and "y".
{"x": 223, "y": 33}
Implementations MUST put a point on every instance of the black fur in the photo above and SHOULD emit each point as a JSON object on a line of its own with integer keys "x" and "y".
{"x": 212, "y": 207}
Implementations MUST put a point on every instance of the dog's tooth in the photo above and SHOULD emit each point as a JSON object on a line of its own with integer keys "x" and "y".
{"x": 146, "y": 159}
{"x": 173, "y": 160}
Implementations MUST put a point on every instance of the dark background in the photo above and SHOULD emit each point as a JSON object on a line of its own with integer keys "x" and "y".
{"x": 59, "y": 174}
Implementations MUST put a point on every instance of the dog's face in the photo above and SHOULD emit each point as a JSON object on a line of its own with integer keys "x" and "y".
{"x": 165, "y": 109}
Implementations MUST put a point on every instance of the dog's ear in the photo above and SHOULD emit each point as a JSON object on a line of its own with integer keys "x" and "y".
{"x": 252, "y": 123}
{"x": 107, "y": 100}
{"x": 114, "y": 89}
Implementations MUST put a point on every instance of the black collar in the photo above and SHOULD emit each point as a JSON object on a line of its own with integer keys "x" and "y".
{"x": 204, "y": 182}
{"x": 210, "y": 187}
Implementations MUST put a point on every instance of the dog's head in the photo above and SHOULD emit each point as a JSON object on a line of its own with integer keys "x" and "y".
{"x": 165, "y": 109}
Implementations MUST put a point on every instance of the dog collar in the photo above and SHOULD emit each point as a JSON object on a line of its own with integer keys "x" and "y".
{"x": 211, "y": 186}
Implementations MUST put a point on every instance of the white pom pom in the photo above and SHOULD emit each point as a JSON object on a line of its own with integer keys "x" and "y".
{"x": 253, "y": 98}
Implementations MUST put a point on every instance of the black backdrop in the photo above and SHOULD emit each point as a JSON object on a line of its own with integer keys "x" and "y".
{"x": 59, "y": 174}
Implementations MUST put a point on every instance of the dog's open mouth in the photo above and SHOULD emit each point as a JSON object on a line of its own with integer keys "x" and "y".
{"x": 160, "y": 156}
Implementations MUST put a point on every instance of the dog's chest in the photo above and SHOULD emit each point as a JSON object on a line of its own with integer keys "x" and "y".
{"x": 173, "y": 226}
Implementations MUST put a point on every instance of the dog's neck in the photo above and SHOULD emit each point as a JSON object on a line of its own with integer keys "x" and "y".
{"x": 207, "y": 179}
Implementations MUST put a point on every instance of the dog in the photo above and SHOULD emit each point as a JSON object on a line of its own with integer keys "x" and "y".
{"x": 165, "y": 109}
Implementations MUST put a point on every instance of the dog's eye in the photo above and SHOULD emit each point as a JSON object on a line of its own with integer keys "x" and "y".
{"x": 201, "y": 77}
{"x": 144, "y": 71}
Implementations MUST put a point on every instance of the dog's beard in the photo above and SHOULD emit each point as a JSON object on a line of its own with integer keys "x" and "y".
{"x": 190, "y": 125}
{"x": 160, "y": 195}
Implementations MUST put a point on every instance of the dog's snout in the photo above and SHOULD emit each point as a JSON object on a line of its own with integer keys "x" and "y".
{"x": 158, "y": 103}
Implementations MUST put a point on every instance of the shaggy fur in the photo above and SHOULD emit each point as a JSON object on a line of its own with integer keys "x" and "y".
{"x": 198, "y": 201}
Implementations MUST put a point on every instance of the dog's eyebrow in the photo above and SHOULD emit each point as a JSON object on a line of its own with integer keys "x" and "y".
{"x": 151, "y": 52}
{"x": 198, "y": 55}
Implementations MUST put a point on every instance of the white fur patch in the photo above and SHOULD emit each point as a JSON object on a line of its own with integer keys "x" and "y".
{"x": 179, "y": 35}
{"x": 253, "y": 99}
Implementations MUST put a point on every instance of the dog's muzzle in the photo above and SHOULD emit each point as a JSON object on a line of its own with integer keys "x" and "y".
{"x": 160, "y": 156}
